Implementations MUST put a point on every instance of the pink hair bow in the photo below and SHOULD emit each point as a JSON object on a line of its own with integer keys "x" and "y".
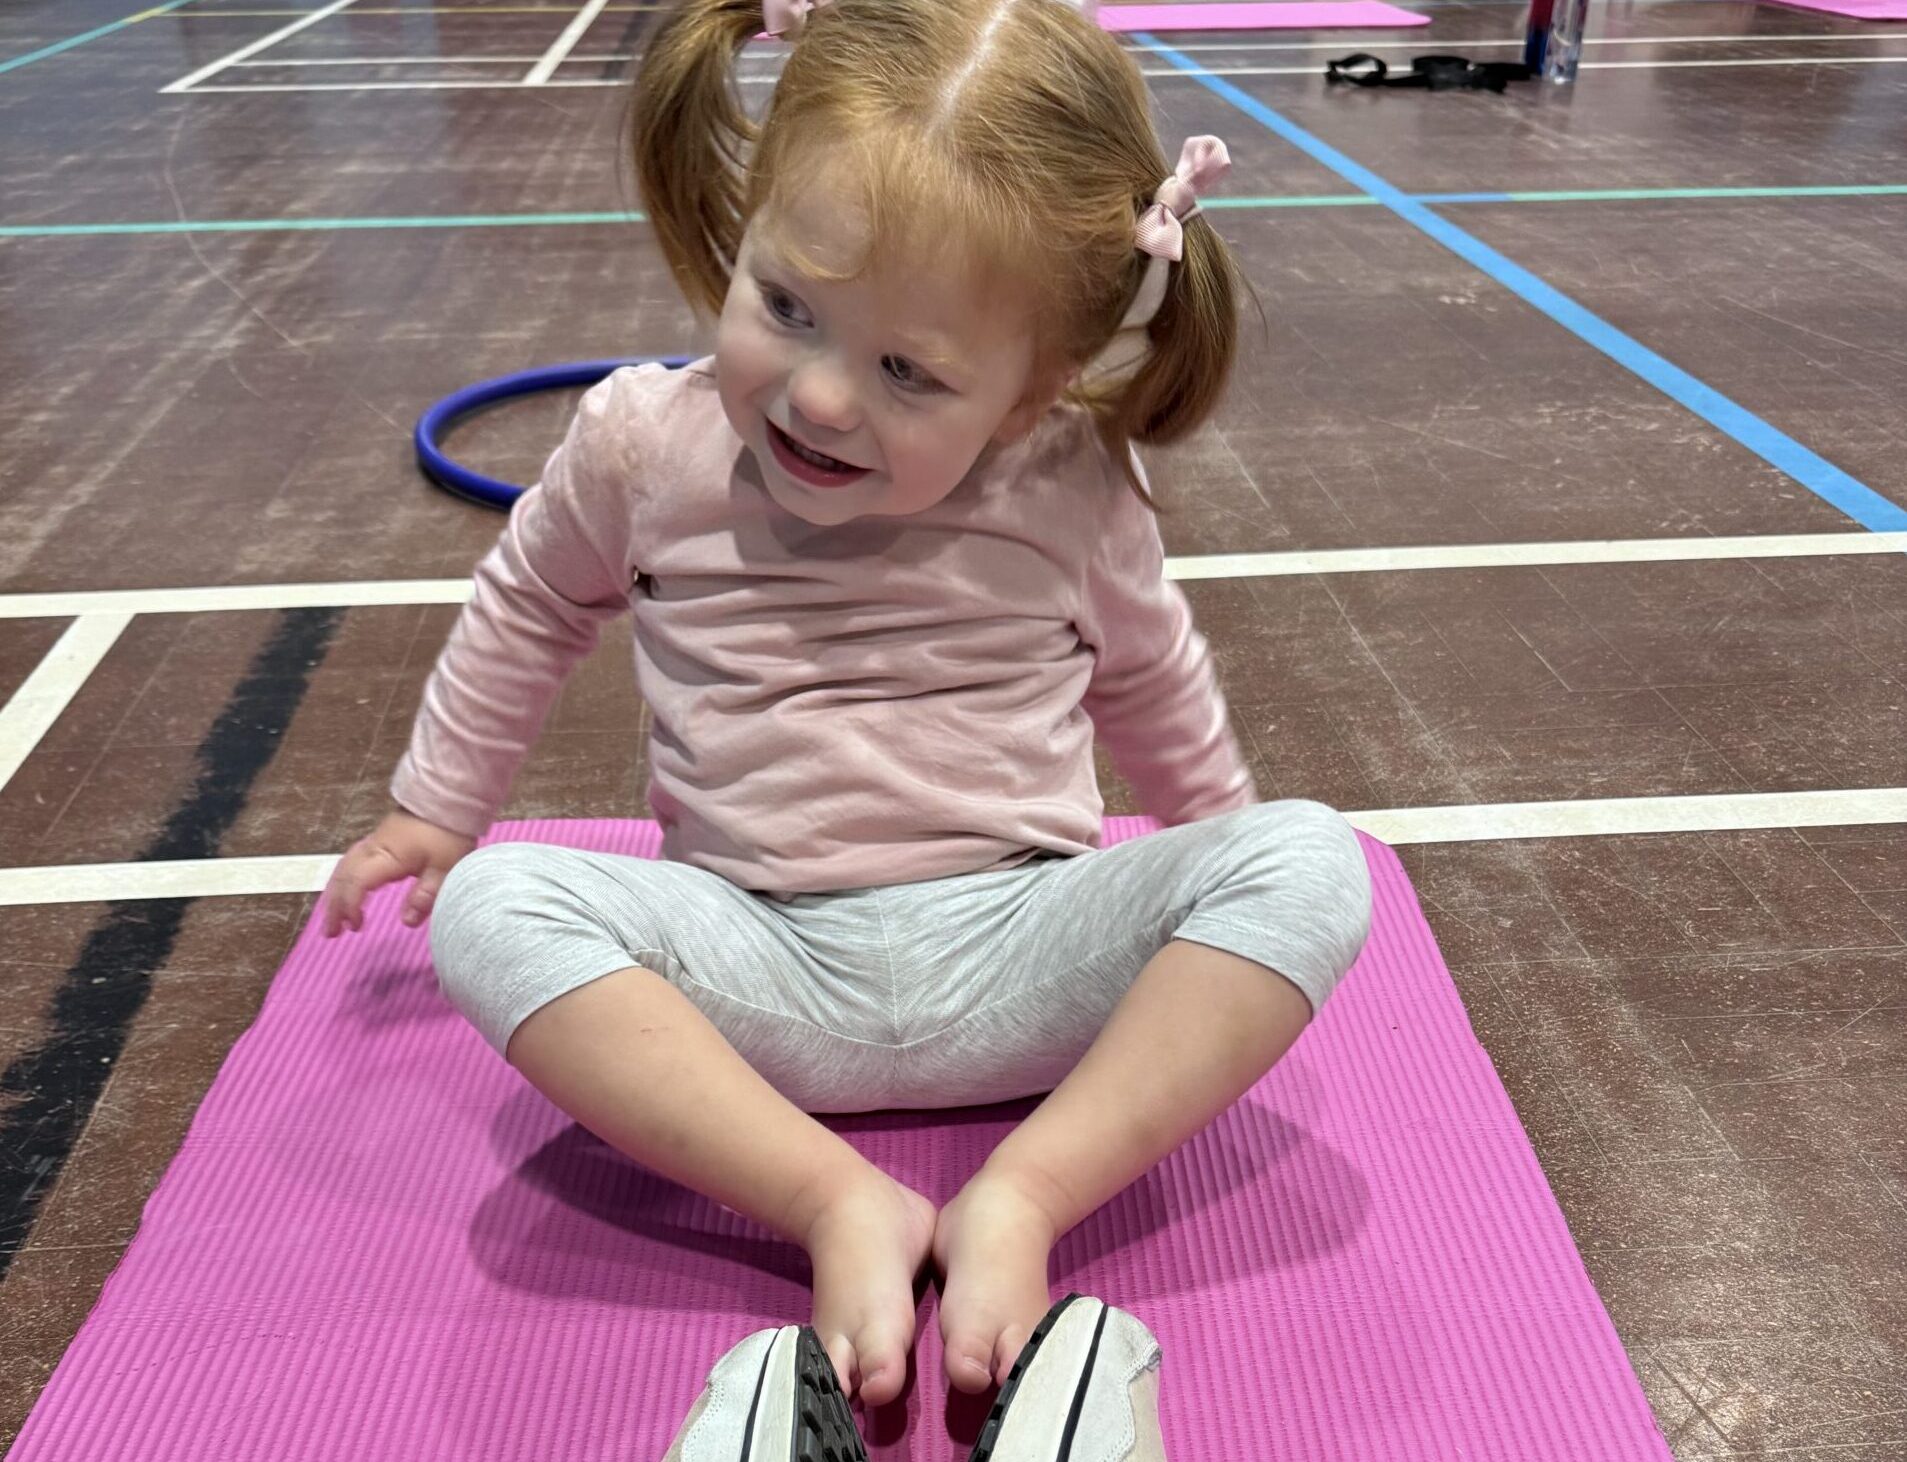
{"x": 1160, "y": 233}
{"x": 785, "y": 18}
{"x": 1202, "y": 162}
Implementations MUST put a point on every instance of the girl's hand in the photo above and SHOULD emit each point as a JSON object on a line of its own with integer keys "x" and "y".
{"x": 403, "y": 846}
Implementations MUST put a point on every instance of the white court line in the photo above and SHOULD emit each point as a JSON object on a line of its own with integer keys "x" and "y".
{"x": 406, "y": 85}
{"x": 495, "y": 60}
{"x": 183, "y": 879}
{"x": 1753, "y": 61}
{"x": 243, "y": 52}
{"x": 346, "y": 595}
{"x": 37, "y": 704}
{"x": 1162, "y": 72}
{"x": 235, "y": 597}
{"x": 1524, "y": 555}
{"x": 1338, "y": 45}
{"x": 412, "y": 61}
{"x": 1399, "y": 826}
{"x": 564, "y": 44}
{"x": 1619, "y": 816}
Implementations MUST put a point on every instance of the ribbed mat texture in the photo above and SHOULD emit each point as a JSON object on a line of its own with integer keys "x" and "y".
{"x": 378, "y": 1242}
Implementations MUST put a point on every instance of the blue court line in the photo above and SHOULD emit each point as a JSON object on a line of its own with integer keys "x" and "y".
{"x": 91, "y": 35}
{"x": 1814, "y": 472}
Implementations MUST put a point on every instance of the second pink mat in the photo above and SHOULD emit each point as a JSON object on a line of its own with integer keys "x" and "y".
{"x": 1853, "y": 9}
{"x": 1291, "y": 15}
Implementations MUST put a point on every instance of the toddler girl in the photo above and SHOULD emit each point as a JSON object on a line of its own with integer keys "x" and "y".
{"x": 891, "y": 564}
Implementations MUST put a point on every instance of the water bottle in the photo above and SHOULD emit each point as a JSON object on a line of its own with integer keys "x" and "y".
{"x": 1553, "y": 43}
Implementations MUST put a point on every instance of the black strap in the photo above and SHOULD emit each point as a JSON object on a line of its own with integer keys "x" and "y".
{"x": 1346, "y": 69}
{"x": 1430, "y": 73}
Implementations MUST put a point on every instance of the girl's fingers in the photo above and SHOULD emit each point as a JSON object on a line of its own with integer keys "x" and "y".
{"x": 340, "y": 904}
{"x": 356, "y": 875}
{"x": 365, "y": 869}
{"x": 417, "y": 907}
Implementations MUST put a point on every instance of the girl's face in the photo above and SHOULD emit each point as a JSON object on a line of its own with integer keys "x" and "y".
{"x": 867, "y": 397}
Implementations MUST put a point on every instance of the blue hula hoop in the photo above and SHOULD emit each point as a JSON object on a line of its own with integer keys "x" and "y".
{"x": 455, "y": 478}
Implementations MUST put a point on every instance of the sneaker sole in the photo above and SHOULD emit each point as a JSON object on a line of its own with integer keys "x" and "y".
{"x": 1051, "y": 1447}
{"x": 798, "y": 1413}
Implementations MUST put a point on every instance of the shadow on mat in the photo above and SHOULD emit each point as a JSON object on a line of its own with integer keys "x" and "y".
{"x": 392, "y": 985}
{"x": 578, "y": 1219}
{"x": 1253, "y": 1192}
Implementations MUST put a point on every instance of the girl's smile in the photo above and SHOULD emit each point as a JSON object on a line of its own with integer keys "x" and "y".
{"x": 817, "y": 469}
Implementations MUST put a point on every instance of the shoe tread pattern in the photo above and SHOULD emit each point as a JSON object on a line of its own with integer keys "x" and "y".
{"x": 824, "y": 1427}
{"x": 990, "y": 1431}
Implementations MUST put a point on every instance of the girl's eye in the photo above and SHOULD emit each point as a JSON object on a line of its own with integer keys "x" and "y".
{"x": 784, "y": 306}
{"x": 908, "y": 376}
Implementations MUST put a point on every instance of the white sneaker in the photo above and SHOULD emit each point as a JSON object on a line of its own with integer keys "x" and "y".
{"x": 773, "y": 1398}
{"x": 1085, "y": 1389}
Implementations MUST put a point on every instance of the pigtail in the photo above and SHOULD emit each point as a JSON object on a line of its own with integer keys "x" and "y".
{"x": 1193, "y": 340}
{"x": 1154, "y": 384}
{"x": 691, "y": 140}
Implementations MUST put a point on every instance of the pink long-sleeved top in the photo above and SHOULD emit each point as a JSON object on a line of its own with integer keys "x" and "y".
{"x": 887, "y": 701}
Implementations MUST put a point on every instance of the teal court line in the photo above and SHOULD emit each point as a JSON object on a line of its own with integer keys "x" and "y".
{"x": 312, "y": 225}
{"x": 548, "y": 220}
{"x": 92, "y": 35}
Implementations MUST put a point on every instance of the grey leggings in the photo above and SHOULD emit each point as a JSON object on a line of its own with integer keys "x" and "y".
{"x": 955, "y": 991}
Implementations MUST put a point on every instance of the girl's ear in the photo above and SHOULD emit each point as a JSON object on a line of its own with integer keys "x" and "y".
{"x": 1042, "y": 390}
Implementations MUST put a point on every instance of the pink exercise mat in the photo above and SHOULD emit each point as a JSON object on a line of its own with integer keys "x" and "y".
{"x": 1853, "y": 9}
{"x": 378, "y": 1242}
{"x": 1288, "y": 15}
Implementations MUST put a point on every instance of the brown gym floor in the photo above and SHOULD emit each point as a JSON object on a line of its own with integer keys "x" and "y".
{"x": 1704, "y": 1030}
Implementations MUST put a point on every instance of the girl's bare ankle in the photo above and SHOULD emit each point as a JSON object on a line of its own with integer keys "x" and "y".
{"x": 822, "y": 1195}
{"x": 1043, "y": 1193}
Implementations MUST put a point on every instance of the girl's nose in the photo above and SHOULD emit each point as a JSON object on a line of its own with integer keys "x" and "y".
{"x": 821, "y": 392}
